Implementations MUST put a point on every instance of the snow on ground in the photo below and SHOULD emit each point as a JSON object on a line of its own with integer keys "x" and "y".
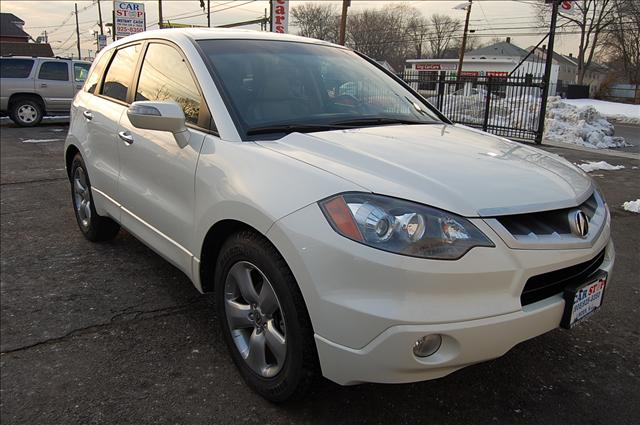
{"x": 620, "y": 112}
{"x": 566, "y": 123}
{"x": 633, "y": 206}
{"x": 583, "y": 126}
{"x": 598, "y": 165}
{"x": 41, "y": 140}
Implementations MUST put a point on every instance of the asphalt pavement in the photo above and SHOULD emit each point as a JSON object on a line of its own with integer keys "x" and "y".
{"x": 631, "y": 134}
{"x": 111, "y": 333}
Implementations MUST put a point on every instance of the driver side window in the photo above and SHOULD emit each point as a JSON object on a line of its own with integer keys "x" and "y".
{"x": 166, "y": 76}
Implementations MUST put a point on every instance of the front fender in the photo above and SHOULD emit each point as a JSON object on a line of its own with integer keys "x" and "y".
{"x": 246, "y": 182}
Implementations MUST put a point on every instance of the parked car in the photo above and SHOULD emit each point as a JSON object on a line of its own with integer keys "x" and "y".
{"x": 364, "y": 238}
{"x": 32, "y": 87}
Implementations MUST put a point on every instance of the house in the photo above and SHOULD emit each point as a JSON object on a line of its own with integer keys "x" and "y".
{"x": 14, "y": 41}
{"x": 11, "y": 29}
{"x": 497, "y": 60}
{"x": 594, "y": 77}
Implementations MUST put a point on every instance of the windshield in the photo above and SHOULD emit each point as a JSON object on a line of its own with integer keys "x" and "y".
{"x": 275, "y": 86}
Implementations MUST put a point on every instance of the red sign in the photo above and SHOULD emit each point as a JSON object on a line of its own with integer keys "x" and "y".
{"x": 280, "y": 16}
{"x": 497, "y": 74}
{"x": 428, "y": 67}
{"x": 566, "y": 6}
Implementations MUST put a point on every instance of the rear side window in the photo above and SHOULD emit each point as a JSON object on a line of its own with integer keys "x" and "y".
{"x": 56, "y": 71}
{"x": 165, "y": 76}
{"x": 15, "y": 68}
{"x": 80, "y": 71}
{"x": 94, "y": 77}
{"x": 118, "y": 77}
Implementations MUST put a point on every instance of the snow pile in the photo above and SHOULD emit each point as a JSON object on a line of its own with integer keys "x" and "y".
{"x": 619, "y": 112}
{"x": 599, "y": 165}
{"x": 633, "y": 206}
{"x": 514, "y": 111}
{"x": 582, "y": 126}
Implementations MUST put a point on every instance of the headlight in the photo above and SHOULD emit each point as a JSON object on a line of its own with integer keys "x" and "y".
{"x": 402, "y": 227}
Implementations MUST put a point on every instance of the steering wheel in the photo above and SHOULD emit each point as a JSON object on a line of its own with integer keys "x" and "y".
{"x": 350, "y": 101}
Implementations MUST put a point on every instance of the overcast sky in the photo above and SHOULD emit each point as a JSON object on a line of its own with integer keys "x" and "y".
{"x": 489, "y": 18}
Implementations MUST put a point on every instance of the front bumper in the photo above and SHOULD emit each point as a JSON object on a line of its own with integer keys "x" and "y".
{"x": 368, "y": 307}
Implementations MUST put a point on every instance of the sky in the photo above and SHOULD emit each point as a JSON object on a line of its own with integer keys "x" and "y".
{"x": 489, "y": 18}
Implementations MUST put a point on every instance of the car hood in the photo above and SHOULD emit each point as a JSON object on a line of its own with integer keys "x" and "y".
{"x": 451, "y": 167}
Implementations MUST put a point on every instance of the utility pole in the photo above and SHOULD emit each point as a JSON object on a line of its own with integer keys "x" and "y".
{"x": 263, "y": 24}
{"x": 343, "y": 21}
{"x": 547, "y": 71}
{"x": 78, "y": 32}
{"x": 100, "y": 18}
{"x": 209, "y": 13}
{"x": 463, "y": 47}
{"x": 160, "y": 25}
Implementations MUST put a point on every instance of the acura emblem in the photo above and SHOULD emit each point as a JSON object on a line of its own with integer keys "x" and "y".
{"x": 579, "y": 223}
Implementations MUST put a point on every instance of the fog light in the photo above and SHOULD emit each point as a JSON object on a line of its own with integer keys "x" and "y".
{"x": 427, "y": 345}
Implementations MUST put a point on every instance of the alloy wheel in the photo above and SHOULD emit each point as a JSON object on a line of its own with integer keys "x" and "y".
{"x": 255, "y": 319}
{"x": 82, "y": 197}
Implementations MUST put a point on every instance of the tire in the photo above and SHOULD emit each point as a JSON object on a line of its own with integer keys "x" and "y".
{"x": 26, "y": 112}
{"x": 285, "y": 377}
{"x": 94, "y": 227}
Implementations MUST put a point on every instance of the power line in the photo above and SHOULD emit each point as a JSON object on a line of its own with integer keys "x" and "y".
{"x": 200, "y": 12}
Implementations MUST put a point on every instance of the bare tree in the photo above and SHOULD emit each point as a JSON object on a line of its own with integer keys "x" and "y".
{"x": 382, "y": 33}
{"x": 316, "y": 20}
{"x": 419, "y": 32}
{"x": 592, "y": 19}
{"x": 453, "y": 48}
{"x": 622, "y": 42}
{"x": 443, "y": 28}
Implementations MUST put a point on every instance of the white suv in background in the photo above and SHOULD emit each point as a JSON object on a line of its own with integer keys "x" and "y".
{"x": 345, "y": 226}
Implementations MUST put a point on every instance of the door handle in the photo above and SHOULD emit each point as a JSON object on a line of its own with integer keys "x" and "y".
{"x": 126, "y": 137}
{"x": 43, "y": 85}
{"x": 88, "y": 115}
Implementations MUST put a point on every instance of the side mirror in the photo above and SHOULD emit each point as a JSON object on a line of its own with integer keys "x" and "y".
{"x": 160, "y": 116}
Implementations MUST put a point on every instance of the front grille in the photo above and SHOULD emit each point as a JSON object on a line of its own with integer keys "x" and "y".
{"x": 548, "y": 284}
{"x": 546, "y": 223}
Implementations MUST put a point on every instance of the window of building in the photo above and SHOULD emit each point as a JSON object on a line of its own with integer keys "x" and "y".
{"x": 166, "y": 76}
{"x": 118, "y": 77}
{"x": 55, "y": 71}
{"x": 15, "y": 68}
{"x": 427, "y": 80}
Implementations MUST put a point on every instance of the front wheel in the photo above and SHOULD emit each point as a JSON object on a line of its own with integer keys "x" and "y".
{"x": 94, "y": 227}
{"x": 264, "y": 318}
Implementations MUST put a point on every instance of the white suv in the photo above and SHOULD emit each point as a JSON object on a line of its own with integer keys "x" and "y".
{"x": 345, "y": 226}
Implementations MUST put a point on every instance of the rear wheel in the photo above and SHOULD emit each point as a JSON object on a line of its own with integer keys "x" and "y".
{"x": 94, "y": 227}
{"x": 26, "y": 112}
{"x": 264, "y": 319}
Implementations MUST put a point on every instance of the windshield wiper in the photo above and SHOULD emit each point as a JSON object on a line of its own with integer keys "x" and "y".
{"x": 293, "y": 128}
{"x": 310, "y": 128}
{"x": 364, "y": 122}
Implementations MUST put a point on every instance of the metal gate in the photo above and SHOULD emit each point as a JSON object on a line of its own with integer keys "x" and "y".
{"x": 499, "y": 103}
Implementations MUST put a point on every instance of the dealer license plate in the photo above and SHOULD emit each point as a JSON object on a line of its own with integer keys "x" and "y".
{"x": 583, "y": 301}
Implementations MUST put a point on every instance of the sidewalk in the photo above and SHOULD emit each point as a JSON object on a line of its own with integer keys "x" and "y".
{"x": 605, "y": 152}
